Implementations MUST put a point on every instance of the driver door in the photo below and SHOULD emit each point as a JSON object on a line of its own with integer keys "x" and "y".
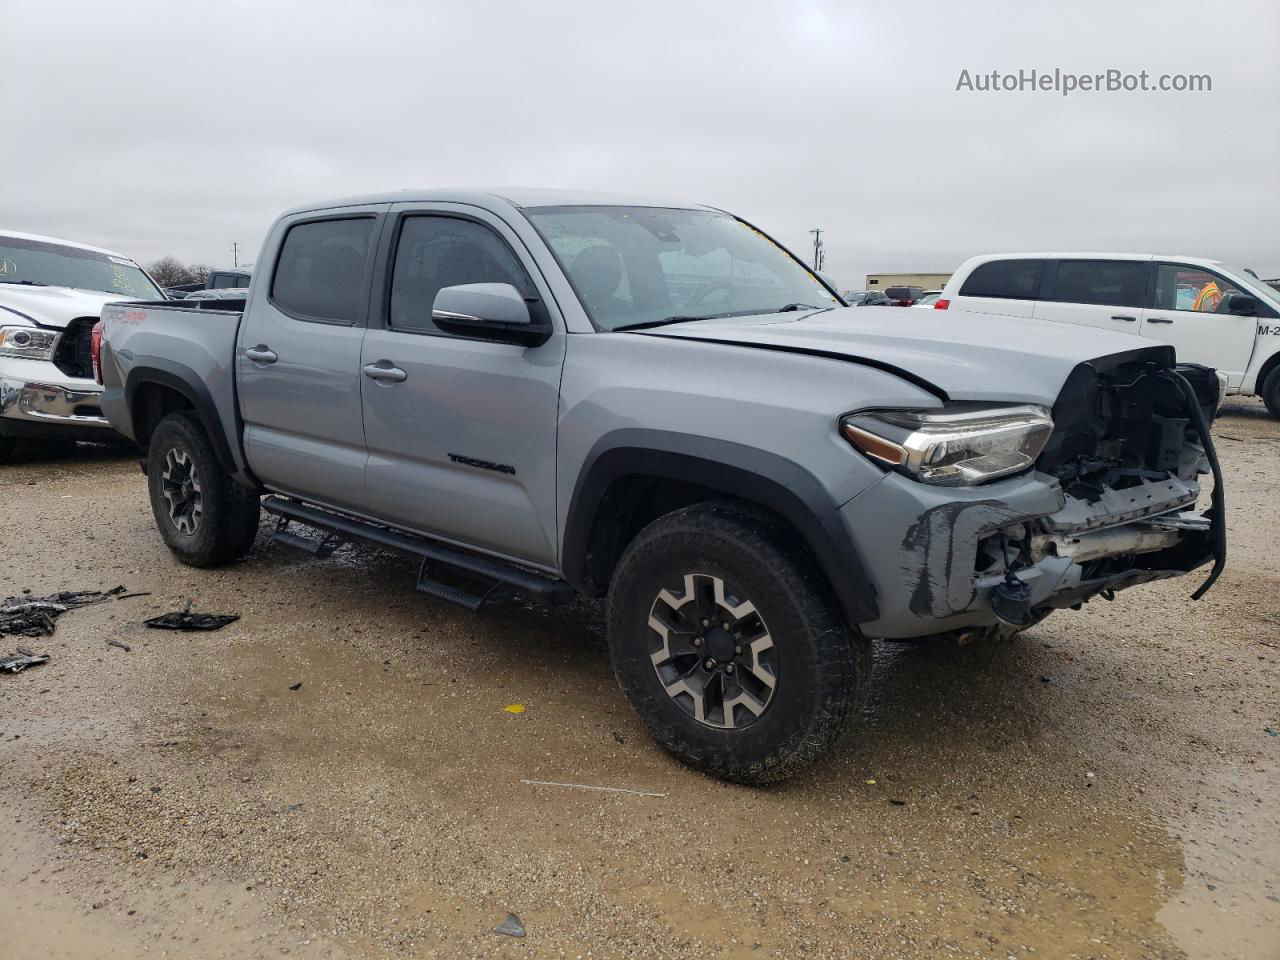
{"x": 461, "y": 437}
{"x": 1188, "y": 310}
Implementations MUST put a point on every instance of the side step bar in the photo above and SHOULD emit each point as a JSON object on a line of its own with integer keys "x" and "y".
{"x": 473, "y": 565}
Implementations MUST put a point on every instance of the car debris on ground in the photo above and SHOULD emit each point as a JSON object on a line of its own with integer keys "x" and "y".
{"x": 184, "y": 619}
{"x": 511, "y": 926}
{"x": 588, "y": 786}
{"x": 35, "y": 616}
{"x": 16, "y": 663}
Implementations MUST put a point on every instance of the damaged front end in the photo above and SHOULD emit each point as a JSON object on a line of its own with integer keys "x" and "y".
{"x": 1110, "y": 504}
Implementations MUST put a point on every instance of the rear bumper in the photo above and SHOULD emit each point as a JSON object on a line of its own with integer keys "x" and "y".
{"x": 37, "y": 400}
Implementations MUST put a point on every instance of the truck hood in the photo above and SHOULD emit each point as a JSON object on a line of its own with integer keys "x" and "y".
{"x": 51, "y": 306}
{"x": 957, "y": 356}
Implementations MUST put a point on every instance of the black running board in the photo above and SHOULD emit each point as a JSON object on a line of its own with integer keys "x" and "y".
{"x": 473, "y": 565}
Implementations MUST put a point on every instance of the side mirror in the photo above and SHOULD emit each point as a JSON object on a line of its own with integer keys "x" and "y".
{"x": 1242, "y": 305}
{"x": 489, "y": 311}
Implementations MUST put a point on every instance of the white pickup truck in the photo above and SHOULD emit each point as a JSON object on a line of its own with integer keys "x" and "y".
{"x": 51, "y": 294}
{"x": 1211, "y": 313}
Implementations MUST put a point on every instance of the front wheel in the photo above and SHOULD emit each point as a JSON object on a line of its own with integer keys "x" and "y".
{"x": 204, "y": 516}
{"x": 727, "y": 642}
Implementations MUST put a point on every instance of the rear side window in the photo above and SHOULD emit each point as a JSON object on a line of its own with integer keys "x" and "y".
{"x": 1115, "y": 283}
{"x": 437, "y": 252}
{"x": 1005, "y": 280}
{"x": 320, "y": 272}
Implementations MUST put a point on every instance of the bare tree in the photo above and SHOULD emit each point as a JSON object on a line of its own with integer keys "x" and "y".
{"x": 169, "y": 272}
{"x": 198, "y": 272}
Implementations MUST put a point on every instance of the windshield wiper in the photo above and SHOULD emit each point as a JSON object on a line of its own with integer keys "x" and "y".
{"x": 645, "y": 324}
{"x": 25, "y": 283}
{"x": 791, "y": 307}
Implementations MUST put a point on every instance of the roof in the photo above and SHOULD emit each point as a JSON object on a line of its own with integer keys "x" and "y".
{"x": 1097, "y": 255}
{"x": 516, "y": 196}
{"x": 66, "y": 243}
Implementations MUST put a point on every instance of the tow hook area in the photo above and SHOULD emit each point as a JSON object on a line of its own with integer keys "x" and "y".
{"x": 1011, "y": 601}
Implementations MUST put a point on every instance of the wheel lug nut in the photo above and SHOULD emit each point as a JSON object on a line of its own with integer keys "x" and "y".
{"x": 706, "y": 623}
{"x": 729, "y": 668}
{"x": 710, "y": 664}
{"x": 724, "y": 626}
{"x": 737, "y": 649}
{"x": 697, "y": 641}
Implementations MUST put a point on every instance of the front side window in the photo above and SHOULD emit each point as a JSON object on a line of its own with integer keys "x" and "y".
{"x": 1114, "y": 283}
{"x": 1192, "y": 288}
{"x": 436, "y": 252}
{"x": 644, "y": 265}
{"x": 320, "y": 272}
{"x": 39, "y": 263}
{"x": 1005, "y": 280}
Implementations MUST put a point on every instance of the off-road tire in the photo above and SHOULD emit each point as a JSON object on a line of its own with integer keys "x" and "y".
{"x": 1270, "y": 391}
{"x": 822, "y": 665}
{"x": 229, "y": 513}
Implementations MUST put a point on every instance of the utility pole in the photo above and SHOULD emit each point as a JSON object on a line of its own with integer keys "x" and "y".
{"x": 235, "y": 254}
{"x": 819, "y": 253}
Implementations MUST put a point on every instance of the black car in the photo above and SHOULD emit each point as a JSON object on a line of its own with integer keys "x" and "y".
{"x": 865, "y": 298}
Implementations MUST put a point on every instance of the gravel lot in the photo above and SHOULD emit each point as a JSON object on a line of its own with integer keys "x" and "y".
{"x": 1105, "y": 786}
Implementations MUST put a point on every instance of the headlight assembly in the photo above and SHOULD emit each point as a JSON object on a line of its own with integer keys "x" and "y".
{"x": 958, "y": 445}
{"x": 30, "y": 343}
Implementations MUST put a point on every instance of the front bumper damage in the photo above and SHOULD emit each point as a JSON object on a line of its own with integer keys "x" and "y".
{"x": 36, "y": 400}
{"x": 1073, "y": 529}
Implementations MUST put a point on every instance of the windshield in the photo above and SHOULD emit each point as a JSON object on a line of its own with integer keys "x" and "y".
{"x": 45, "y": 264}
{"x": 1250, "y": 279}
{"x": 646, "y": 265}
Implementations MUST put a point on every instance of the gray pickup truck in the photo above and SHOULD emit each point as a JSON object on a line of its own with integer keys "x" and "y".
{"x": 560, "y": 394}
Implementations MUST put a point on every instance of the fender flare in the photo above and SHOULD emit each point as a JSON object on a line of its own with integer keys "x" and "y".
{"x": 744, "y": 472}
{"x": 183, "y": 380}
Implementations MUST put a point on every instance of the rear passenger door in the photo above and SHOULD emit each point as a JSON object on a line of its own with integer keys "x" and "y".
{"x": 1001, "y": 287}
{"x": 464, "y": 446}
{"x": 298, "y": 357}
{"x": 1095, "y": 293}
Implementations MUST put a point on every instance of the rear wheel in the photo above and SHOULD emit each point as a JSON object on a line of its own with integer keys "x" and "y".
{"x": 204, "y": 516}
{"x": 728, "y": 644}
{"x": 1271, "y": 392}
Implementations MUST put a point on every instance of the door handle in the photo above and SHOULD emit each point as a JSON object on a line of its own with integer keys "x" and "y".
{"x": 1128, "y": 319}
{"x": 384, "y": 370}
{"x": 261, "y": 354}
{"x": 1158, "y": 320}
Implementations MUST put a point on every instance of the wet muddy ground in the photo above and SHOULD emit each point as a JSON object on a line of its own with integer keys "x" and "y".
{"x": 1105, "y": 786}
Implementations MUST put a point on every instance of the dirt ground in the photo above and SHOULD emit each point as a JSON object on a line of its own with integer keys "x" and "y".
{"x": 1105, "y": 786}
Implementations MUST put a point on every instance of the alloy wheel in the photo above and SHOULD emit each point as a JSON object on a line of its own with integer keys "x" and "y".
{"x": 180, "y": 487}
{"x": 712, "y": 652}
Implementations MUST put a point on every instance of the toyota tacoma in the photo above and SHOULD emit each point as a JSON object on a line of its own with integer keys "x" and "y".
{"x": 558, "y": 394}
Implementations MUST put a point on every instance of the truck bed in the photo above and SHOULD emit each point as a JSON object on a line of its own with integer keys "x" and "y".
{"x": 193, "y": 342}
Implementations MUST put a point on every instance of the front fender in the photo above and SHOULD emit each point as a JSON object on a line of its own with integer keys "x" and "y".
{"x": 740, "y": 471}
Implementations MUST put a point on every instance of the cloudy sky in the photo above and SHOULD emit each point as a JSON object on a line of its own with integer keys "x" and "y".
{"x": 177, "y": 127}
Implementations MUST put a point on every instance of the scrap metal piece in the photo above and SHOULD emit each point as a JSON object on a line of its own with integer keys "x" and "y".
{"x": 35, "y": 616}
{"x": 184, "y": 619}
{"x": 16, "y": 663}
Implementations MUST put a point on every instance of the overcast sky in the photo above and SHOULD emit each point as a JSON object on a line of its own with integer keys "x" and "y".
{"x": 176, "y": 127}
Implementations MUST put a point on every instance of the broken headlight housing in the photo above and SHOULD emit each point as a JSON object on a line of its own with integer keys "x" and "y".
{"x": 30, "y": 343}
{"x": 958, "y": 445}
